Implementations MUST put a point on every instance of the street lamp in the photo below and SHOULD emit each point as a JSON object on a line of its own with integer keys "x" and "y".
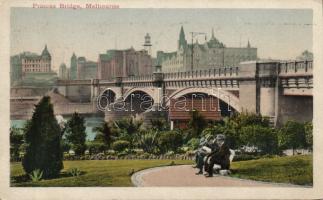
{"x": 194, "y": 34}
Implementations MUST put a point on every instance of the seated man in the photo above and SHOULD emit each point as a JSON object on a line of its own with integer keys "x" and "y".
{"x": 204, "y": 149}
{"x": 219, "y": 156}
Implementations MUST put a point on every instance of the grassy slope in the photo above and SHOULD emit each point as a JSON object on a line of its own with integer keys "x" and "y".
{"x": 296, "y": 170}
{"x": 97, "y": 172}
{"x": 293, "y": 169}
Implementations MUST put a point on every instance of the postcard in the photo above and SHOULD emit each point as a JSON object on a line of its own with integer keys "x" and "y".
{"x": 161, "y": 99}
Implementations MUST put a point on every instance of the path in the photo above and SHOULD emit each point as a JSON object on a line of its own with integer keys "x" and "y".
{"x": 184, "y": 175}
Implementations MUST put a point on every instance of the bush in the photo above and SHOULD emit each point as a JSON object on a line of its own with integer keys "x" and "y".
{"x": 43, "y": 141}
{"x": 193, "y": 143}
{"x": 120, "y": 145}
{"x": 264, "y": 138}
{"x": 170, "y": 141}
{"x": 147, "y": 140}
{"x": 16, "y": 141}
{"x": 292, "y": 135}
{"x": 95, "y": 147}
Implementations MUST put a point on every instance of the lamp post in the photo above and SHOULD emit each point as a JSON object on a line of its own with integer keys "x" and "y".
{"x": 194, "y": 34}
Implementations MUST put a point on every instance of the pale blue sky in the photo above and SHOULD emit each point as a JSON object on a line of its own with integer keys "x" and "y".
{"x": 281, "y": 34}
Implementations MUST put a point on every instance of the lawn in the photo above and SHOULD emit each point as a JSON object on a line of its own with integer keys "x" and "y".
{"x": 95, "y": 173}
{"x": 291, "y": 169}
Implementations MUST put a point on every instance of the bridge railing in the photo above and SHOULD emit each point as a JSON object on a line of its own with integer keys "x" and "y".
{"x": 216, "y": 72}
{"x": 138, "y": 78}
{"x": 296, "y": 68}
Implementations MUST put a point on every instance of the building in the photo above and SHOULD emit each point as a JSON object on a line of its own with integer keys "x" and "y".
{"x": 63, "y": 72}
{"x": 124, "y": 63}
{"x": 73, "y": 67}
{"x": 208, "y": 55}
{"x": 32, "y": 69}
{"x": 86, "y": 69}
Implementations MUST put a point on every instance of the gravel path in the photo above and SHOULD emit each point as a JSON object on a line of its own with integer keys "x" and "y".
{"x": 184, "y": 175}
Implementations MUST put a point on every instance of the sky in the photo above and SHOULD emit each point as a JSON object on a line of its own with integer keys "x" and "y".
{"x": 277, "y": 33}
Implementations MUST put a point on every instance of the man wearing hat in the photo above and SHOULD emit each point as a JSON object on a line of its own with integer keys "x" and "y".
{"x": 204, "y": 148}
{"x": 220, "y": 156}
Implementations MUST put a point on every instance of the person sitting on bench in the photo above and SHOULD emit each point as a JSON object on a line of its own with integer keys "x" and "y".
{"x": 219, "y": 156}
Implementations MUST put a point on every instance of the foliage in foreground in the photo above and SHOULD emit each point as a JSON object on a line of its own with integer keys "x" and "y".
{"x": 43, "y": 141}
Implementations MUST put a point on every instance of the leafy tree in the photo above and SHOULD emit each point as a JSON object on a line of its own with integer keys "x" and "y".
{"x": 105, "y": 134}
{"x": 197, "y": 123}
{"x": 306, "y": 55}
{"x": 170, "y": 141}
{"x": 43, "y": 141}
{"x": 75, "y": 133}
{"x": 308, "y": 126}
{"x": 264, "y": 138}
{"x": 16, "y": 141}
{"x": 292, "y": 135}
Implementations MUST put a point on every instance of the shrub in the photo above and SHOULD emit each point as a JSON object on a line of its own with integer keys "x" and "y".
{"x": 95, "y": 147}
{"x": 292, "y": 135}
{"x": 16, "y": 141}
{"x": 43, "y": 141}
{"x": 170, "y": 141}
{"x": 264, "y": 138}
{"x": 120, "y": 145}
{"x": 147, "y": 140}
{"x": 193, "y": 143}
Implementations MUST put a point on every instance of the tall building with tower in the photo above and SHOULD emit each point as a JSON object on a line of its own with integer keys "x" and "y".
{"x": 29, "y": 68}
{"x": 73, "y": 68}
{"x": 147, "y": 45}
{"x": 207, "y": 55}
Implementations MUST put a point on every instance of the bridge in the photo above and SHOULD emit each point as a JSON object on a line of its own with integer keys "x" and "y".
{"x": 279, "y": 90}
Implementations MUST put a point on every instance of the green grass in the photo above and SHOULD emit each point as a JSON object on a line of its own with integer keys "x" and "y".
{"x": 95, "y": 173}
{"x": 291, "y": 169}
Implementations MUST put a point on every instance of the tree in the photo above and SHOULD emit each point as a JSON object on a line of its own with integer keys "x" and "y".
{"x": 264, "y": 138}
{"x": 197, "y": 123}
{"x": 16, "y": 140}
{"x": 105, "y": 134}
{"x": 308, "y": 126}
{"x": 306, "y": 55}
{"x": 292, "y": 135}
{"x": 75, "y": 134}
{"x": 43, "y": 141}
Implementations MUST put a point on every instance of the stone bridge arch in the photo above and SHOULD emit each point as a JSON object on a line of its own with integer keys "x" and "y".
{"x": 154, "y": 93}
{"x": 221, "y": 94}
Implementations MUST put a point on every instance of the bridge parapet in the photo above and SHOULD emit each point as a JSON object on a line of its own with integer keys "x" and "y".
{"x": 296, "y": 68}
{"x": 208, "y": 73}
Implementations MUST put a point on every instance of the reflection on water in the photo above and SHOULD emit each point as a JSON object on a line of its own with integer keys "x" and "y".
{"x": 90, "y": 123}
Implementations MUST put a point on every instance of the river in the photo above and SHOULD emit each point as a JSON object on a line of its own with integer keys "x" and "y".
{"x": 90, "y": 123}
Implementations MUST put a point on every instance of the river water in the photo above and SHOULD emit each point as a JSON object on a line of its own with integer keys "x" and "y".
{"x": 90, "y": 123}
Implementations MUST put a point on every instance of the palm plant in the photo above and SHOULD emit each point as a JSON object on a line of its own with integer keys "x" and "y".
{"x": 147, "y": 140}
{"x": 36, "y": 175}
{"x": 105, "y": 134}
